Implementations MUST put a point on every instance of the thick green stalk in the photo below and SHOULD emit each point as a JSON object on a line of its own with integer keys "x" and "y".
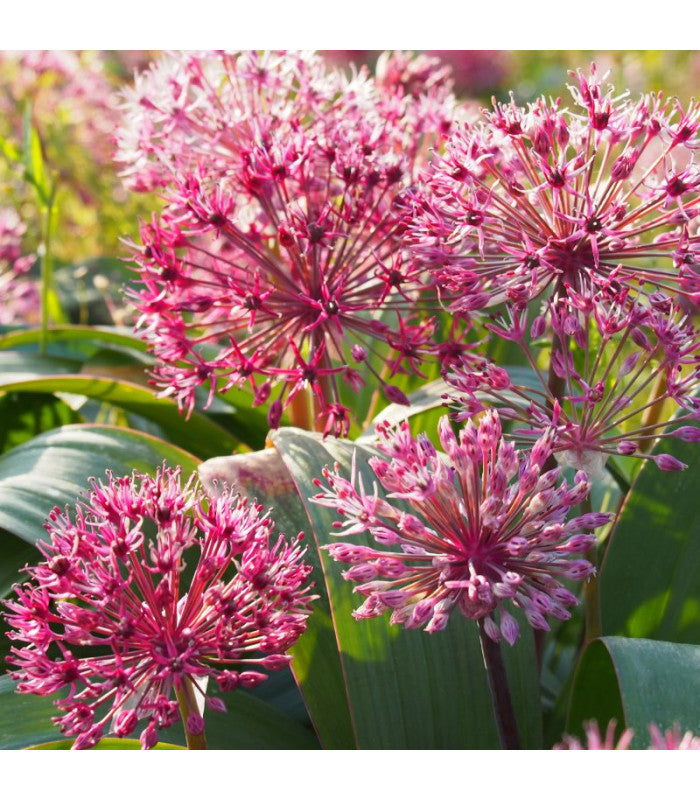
{"x": 46, "y": 268}
{"x": 500, "y": 692}
{"x": 186, "y": 699}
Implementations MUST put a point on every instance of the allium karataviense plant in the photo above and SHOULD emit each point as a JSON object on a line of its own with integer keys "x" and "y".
{"x": 616, "y": 363}
{"x": 672, "y": 739}
{"x": 279, "y": 259}
{"x": 114, "y": 583}
{"x": 595, "y": 195}
{"x": 489, "y": 531}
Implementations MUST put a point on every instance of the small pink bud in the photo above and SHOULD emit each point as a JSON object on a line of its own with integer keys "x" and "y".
{"x": 195, "y": 724}
{"x": 358, "y": 353}
{"x": 125, "y": 722}
{"x": 274, "y": 414}
{"x": 668, "y": 463}
{"x": 149, "y": 738}
{"x": 628, "y": 364}
{"x": 395, "y": 395}
{"x": 687, "y": 433}
{"x": 509, "y": 628}
{"x": 491, "y": 629}
{"x": 626, "y": 448}
{"x": 276, "y": 661}
{"x": 538, "y": 327}
{"x": 262, "y": 393}
{"x": 216, "y": 704}
{"x": 249, "y": 680}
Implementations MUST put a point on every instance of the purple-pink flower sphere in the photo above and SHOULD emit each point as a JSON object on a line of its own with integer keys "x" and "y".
{"x": 112, "y": 618}
{"x": 279, "y": 261}
{"x": 489, "y": 529}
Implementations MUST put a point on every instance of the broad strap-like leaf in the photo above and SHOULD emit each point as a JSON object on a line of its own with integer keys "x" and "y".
{"x": 650, "y": 578}
{"x": 199, "y": 434}
{"x": 54, "y": 468}
{"x": 637, "y": 682}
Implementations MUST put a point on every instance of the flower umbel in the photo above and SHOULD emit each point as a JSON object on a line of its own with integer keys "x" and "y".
{"x": 617, "y": 364}
{"x": 114, "y": 582}
{"x": 597, "y": 195}
{"x": 20, "y": 295}
{"x": 489, "y": 528}
{"x": 279, "y": 260}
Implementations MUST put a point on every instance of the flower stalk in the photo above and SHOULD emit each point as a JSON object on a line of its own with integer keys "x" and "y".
{"x": 500, "y": 692}
{"x": 196, "y": 740}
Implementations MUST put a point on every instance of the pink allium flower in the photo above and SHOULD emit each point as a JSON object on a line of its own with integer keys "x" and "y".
{"x": 591, "y": 197}
{"x": 609, "y": 361}
{"x": 481, "y": 528}
{"x": 672, "y": 739}
{"x": 279, "y": 259}
{"x": 114, "y": 579}
{"x": 596, "y": 741}
{"x": 20, "y": 294}
{"x": 65, "y": 88}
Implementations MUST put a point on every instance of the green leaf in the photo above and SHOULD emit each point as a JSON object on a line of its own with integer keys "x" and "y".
{"x": 33, "y": 365}
{"x": 198, "y": 434}
{"x": 123, "y": 360}
{"x": 54, "y": 468}
{"x": 27, "y": 415}
{"x": 650, "y": 581}
{"x": 15, "y": 553}
{"x": 264, "y": 477}
{"x": 33, "y": 160}
{"x": 249, "y": 723}
{"x": 405, "y": 688}
{"x": 79, "y": 334}
{"x": 105, "y": 744}
{"x": 637, "y": 682}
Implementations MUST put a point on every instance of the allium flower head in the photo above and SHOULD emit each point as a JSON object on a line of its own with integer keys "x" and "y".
{"x": 596, "y": 195}
{"x": 672, "y": 739}
{"x": 115, "y": 583}
{"x": 20, "y": 295}
{"x": 615, "y": 363}
{"x": 480, "y": 528}
{"x": 279, "y": 258}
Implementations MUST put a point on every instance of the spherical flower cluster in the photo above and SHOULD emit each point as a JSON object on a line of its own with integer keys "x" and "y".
{"x": 279, "y": 260}
{"x": 672, "y": 739}
{"x": 19, "y": 293}
{"x": 615, "y": 364}
{"x": 481, "y": 528}
{"x": 595, "y": 196}
{"x": 150, "y": 588}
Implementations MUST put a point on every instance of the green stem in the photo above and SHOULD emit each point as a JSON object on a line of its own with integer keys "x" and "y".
{"x": 46, "y": 268}
{"x": 186, "y": 699}
{"x": 500, "y": 693}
